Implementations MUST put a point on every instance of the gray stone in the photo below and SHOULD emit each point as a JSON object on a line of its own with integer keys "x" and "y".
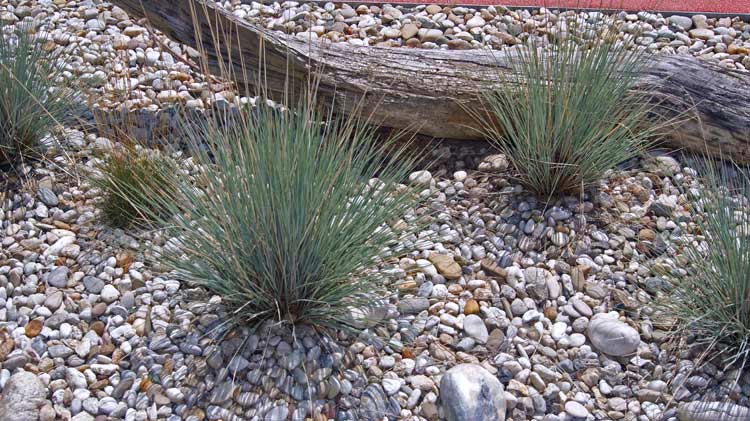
{"x": 58, "y": 277}
{"x": 413, "y": 305}
{"x": 374, "y": 404}
{"x": 59, "y": 351}
{"x": 54, "y": 300}
{"x": 278, "y": 413}
{"x": 391, "y": 386}
{"x": 47, "y": 196}
{"x": 222, "y": 393}
{"x": 576, "y": 410}
{"x": 702, "y": 33}
{"x": 612, "y": 337}
{"x": 23, "y": 397}
{"x": 93, "y": 284}
{"x": 712, "y": 411}
{"x": 109, "y": 294}
{"x": 683, "y": 22}
{"x": 15, "y": 360}
{"x": 474, "y": 326}
{"x": 75, "y": 379}
{"x": 468, "y": 392}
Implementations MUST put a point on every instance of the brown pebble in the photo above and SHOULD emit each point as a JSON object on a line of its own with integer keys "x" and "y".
{"x": 118, "y": 355}
{"x": 646, "y": 235}
{"x": 106, "y": 348}
{"x": 413, "y": 43}
{"x": 492, "y": 268}
{"x": 98, "y": 309}
{"x": 99, "y": 384}
{"x": 471, "y": 307}
{"x": 46, "y": 364}
{"x": 145, "y": 384}
{"x": 550, "y": 313}
{"x": 98, "y": 327}
{"x": 446, "y": 339}
{"x": 407, "y": 285}
{"x": 33, "y": 328}
{"x": 495, "y": 340}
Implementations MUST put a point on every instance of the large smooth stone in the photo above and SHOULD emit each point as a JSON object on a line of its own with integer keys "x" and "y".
{"x": 712, "y": 411}
{"x": 613, "y": 337}
{"x": 22, "y": 398}
{"x": 375, "y": 405}
{"x": 468, "y": 392}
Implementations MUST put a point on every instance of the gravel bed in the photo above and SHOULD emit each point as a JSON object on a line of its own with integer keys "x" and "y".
{"x": 722, "y": 40}
{"x": 551, "y": 303}
{"x": 547, "y": 306}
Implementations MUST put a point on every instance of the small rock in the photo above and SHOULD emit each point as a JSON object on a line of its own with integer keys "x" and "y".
{"x": 409, "y": 31}
{"x": 702, "y": 33}
{"x": 33, "y": 328}
{"x": 420, "y": 178}
{"x": 446, "y": 265}
{"x": 413, "y": 305}
{"x": 93, "y": 284}
{"x": 576, "y": 410}
{"x": 109, "y": 294}
{"x": 683, "y": 22}
{"x": 47, "y": 196}
{"x": 471, "y": 307}
{"x": 497, "y": 162}
{"x": 474, "y": 326}
{"x": 58, "y": 277}
{"x": 611, "y": 336}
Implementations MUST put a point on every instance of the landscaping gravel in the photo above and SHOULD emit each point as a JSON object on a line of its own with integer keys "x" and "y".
{"x": 548, "y": 306}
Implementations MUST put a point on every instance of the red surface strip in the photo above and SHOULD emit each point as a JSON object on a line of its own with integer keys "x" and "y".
{"x": 688, "y": 6}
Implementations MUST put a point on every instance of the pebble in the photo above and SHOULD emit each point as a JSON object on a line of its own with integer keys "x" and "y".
{"x": 109, "y": 294}
{"x": 576, "y": 410}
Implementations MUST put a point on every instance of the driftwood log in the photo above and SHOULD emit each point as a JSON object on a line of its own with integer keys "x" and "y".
{"x": 431, "y": 91}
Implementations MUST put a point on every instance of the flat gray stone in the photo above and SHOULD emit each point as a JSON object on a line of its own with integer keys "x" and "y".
{"x": 93, "y": 284}
{"x": 47, "y": 196}
{"x": 413, "y": 305}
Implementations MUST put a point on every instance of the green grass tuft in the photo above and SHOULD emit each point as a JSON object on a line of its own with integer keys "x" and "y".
{"x": 570, "y": 110}
{"x": 712, "y": 302}
{"x": 283, "y": 217}
{"x": 128, "y": 178}
{"x": 31, "y": 102}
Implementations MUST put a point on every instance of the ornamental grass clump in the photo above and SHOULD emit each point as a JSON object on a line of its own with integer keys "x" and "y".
{"x": 287, "y": 213}
{"x": 128, "y": 179}
{"x": 31, "y": 101}
{"x": 712, "y": 302}
{"x": 570, "y": 109}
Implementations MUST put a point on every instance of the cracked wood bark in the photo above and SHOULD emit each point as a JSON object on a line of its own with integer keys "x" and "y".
{"x": 429, "y": 90}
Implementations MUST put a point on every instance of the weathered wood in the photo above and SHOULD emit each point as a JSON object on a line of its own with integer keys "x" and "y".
{"x": 431, "y": 90}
